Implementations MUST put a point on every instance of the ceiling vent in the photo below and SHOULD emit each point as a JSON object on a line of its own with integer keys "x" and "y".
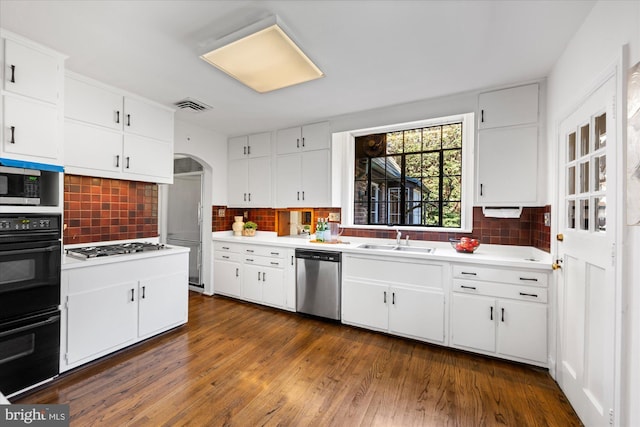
{"x": 192, "y": 104}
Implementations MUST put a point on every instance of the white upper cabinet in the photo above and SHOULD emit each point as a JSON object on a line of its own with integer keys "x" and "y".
{"x": 508, "y": 107}
{"x": 31, "y": 107}
{"x": 249, "y": 182}
{"x": 31, "y": 72}
{"x": 111, "y": 134}
{"x": 257, "y": 145}
{"x": 309, "y": 137}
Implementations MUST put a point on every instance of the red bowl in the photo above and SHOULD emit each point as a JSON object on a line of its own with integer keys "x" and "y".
{"x": 465, "y": 245}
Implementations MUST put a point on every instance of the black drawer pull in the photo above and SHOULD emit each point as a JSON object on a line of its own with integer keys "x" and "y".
{"x": 225, "y": 256}
{"x": 132, "y": 295}
{"x": 13, "y": 74}
{"x": 528, "y": 295}
{"x": 503, "y": 314}
{"x": 117, "y": 116}
{"x": 275, "y": 253}
{"x": 468, "y": 274}
{"x": 117, "y": 160}
{"x": 491, "y": 313}
{"x": 529, "y": 279}
{"x": 13, "y": 136}
{"x": 128, "y": 119}
{"x": 226, "y": 248}
{"x": 248, "y": 259}
{"x": 275, "y": 263}
{"x": 468, "y": 287}
{"x": 249, "y": 250}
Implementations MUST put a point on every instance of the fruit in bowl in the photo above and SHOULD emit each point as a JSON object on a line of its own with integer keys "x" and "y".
{"x": 465, "y": 244}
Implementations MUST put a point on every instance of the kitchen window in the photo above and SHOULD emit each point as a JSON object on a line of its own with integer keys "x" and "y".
{"x": 414, "y": 175}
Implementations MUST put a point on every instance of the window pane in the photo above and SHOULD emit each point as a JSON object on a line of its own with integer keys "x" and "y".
{"x": 584, "y": 214}
{"x": 394, "y": 142}
{"x": 584, "y": 177}
{"x": 571, "y": 180}
{"x": 413, "y": 165}
{"x": 601, "y": 131}
{"x": 584, "y": 140}
{"x": 362, "y": 168}
{"x": 413, "y": 214}
{"x": 431, "y": 212}
{"x": 360, "y": 213}
{"x": 571, "y": 214}
{"x": 571, "y": 147}
{"x": 452, "y": 188}
{"x": 413, "y": 141}
{"x": 452, "y": 162}
{"x": 452, "y": 136}
{"x": 600, "y": 172}
{"x": 393, "y": 169}
{"x": 451, "y": 214}
{"x": 378, "y": 214}
{"x": 431, "y": 138}
{"x": 360, "y": 194}
{"x": 431, "y": 164}
{"x": 431, "y": 188}
{"x": 600, "y": 214}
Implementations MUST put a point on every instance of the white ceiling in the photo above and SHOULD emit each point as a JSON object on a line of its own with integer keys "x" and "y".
{"x": 373, "y": 53}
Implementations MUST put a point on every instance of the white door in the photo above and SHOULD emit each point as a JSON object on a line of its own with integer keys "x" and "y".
{"x": 586, "y": 283}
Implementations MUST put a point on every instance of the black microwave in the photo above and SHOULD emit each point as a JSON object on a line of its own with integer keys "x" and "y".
{"x": 19, "y": 186}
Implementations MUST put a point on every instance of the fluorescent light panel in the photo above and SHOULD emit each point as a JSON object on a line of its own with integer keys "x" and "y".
{"x": 265, "y": 60}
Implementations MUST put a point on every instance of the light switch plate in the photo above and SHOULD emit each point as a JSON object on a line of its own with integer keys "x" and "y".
{"x": 547, "y": 219}
{"x": 221, "y": 212}
{"x": 334, "y": 216}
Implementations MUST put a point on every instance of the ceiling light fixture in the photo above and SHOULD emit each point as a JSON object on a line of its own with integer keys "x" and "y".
{"x": 263, "y": 57}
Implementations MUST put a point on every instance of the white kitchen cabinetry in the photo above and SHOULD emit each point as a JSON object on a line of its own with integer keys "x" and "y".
{"x": 500, "y": 312}
{"x": 115, "y": 135}
{"x": 303, "y": 166}
{"x": 507, "y": 147}
{"x": 404, "y": 297}
{"x": 256, "y": 273}
{"x": 110, "y": 306}
{"x": 31, "y": 108}
{"x": 249, "y": 183}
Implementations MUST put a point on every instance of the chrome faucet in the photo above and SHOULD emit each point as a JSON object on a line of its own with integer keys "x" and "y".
{"x": 398, "y": 236}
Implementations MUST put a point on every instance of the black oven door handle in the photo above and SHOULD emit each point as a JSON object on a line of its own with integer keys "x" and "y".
{"x": 51, "y": 319}
{"x": 31, "y": 251}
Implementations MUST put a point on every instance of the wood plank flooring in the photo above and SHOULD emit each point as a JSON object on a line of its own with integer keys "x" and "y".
{"x": 238, "y": 364}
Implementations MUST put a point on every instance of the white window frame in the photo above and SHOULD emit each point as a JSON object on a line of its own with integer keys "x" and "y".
{"x": 344, "y": 169}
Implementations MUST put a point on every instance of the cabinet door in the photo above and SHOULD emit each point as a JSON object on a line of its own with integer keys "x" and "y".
{"x": 227, "y": 278}
{"x": 522, "y": 330}
{"x": 92, "y": 148}
{"x": 259, "y": 182}
{"x": 288, "y": 174}
{"x": 316, "y": 136}
{"x": 417, "y": 313}
{"x": 101, "y": 320}
{"x": 365, "y": 304}
{"x": 259, "y": 145}
{"x": 163, "y": 302}
{"x": 146, "y": 157}
{"x": 473, "y": 323}
{"x": 273, "y": 286}
{"x": 237, "y": 147}
{"x": 92, "y": 104}
{"x": 507, "y": 165}
{"x": 30, "y": 128}
{"x": 315, "y": 177}
{"x": 252, "y": 282}
{"x": 238, "y": 182}
{"x": 290, "y": 279}
{"x": 148, "y": 120}
{"x": 31, "y": 72}
{"x": 508, "y": 107}
{"x": 288, "y": 140}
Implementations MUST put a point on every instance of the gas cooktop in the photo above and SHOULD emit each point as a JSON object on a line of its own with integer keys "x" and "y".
{"x": 117, "y": 249}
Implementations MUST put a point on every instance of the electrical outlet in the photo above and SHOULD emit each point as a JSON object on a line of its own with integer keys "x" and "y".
{"x": 221, "y": 212}
{"x": 547, "y": 219}
{"x": 334, "y": 216}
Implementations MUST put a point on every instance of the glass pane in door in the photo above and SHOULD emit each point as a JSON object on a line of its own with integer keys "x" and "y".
{"x": 571, "y": 147}
{"x": 584, "y": 214}
{"x": 600, "y": 172}
{"x": 600, "y": 213}
{"x": 600, "y": 124}
{"x": 571, "y": 214}
{"x": 584, "y": 177}
{"x": 584, "y": 140}
{"x": 571, "y": 180}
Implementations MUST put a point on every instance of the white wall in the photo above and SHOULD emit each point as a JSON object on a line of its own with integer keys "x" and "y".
{"x": 593, "y": 49}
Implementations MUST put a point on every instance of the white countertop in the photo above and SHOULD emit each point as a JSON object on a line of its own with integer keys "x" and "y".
{"x": 503, "y": 255}
{"x": 69, "y": 262}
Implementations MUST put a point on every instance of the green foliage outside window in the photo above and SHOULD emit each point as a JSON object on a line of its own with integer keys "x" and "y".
{"x": 410, "y": 177}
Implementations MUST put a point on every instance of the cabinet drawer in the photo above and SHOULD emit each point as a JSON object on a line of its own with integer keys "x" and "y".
{"x": 263, "y": 261}
{"x": 226, "y": 247}
{"x": 523, "y": 277}
{"x": 501, "y": 290}
{"x": 228, "y": 256}
{"x": 266, "y": 251}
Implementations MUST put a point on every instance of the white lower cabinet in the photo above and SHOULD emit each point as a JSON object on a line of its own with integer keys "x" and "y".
{"x": 256, "y": 273}
{"x": 110, "y": 306}
{"x": 404, "y": 297}
{"x": 494, "y": 313}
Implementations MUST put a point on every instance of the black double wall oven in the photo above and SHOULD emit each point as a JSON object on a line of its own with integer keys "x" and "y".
{"x": 30, "y": 261}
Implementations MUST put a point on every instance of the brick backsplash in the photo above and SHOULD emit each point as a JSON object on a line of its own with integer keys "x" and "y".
{"x": 101, "y": 209}
{"x": 528, "y": 230}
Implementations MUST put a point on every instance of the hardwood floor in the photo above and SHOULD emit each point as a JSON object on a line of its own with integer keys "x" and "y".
{"x": 239, "y": 364}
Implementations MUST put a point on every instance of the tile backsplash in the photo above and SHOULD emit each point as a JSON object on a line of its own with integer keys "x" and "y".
{"x": 528, "y": 230}
{"x": 102, "y": 209}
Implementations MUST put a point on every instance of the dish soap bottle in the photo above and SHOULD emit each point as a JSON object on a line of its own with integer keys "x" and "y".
{"x": 320, "y": 230}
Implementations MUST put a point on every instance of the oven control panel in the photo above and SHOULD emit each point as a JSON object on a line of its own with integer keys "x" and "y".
{"x": 28, "y": 223}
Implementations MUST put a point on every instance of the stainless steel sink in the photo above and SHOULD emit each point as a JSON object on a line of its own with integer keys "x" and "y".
{"x": 411, "y": 249}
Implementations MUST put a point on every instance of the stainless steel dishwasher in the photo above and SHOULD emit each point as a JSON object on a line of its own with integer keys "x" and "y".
{"x": 318, "y": 283}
